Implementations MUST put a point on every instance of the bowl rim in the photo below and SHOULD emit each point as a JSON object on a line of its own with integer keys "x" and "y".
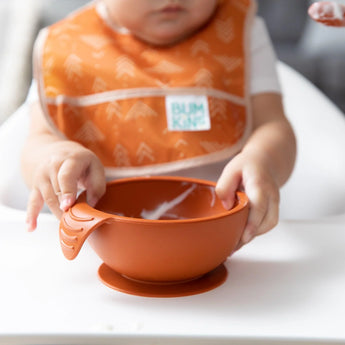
{"x": 242, "y": 200}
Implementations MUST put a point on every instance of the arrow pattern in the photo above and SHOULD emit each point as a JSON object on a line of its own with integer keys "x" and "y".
{"x": 210, "y": 60}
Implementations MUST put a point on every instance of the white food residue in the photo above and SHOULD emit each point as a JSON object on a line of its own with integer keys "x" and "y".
{"x": 213, "y": 196}
{"x": 161, "y": 209}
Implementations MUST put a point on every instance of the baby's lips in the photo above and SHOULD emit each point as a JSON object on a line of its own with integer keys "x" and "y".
{"x": 328, "y": 13}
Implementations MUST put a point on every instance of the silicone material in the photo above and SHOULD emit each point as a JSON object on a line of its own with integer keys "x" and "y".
{"x": 202, "y": 284}
{"x": 193, "y": 236}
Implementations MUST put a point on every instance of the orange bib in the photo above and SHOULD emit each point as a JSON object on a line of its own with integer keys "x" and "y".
{"x": 144, "y": 109}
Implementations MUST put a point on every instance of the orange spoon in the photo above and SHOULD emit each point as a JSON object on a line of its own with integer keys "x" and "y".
{"x": 328, "y": 13}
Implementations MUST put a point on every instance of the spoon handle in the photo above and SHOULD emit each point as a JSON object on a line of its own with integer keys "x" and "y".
{"x": 76, "y": 225}
{"x": 328, "y": 13}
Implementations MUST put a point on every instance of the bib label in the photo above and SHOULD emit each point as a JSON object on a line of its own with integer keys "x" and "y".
{"x": 187, "y": 113}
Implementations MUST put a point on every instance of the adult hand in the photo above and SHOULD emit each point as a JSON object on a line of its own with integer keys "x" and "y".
{"x": 328, "y": 13}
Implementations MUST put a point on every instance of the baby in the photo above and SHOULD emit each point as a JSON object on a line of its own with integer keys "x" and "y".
{"x": 137, "y": 87}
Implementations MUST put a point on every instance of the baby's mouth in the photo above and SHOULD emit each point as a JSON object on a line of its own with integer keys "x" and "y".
{"x": 171, "y": 8}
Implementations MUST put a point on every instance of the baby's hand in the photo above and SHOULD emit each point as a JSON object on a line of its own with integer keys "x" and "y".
{"x": 66, "y": 167}
{"x": 247, "y": 173}
{"x": 328, "y": 13}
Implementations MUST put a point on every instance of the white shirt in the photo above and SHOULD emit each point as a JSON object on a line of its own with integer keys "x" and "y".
{"x": 264, "y": 76}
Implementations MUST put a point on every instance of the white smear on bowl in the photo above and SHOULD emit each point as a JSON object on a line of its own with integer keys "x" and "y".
{"x": 213, "y": 196}
{"x": 160, "y": 210}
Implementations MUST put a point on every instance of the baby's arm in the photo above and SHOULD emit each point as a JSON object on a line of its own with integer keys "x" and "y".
{"x": 54, "y": 169}
{"x": 328, "y": 13}
{"x": 263, "y": 165}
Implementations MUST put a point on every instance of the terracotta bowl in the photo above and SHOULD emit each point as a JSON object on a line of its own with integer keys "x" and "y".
{"x": 192, "y": 236}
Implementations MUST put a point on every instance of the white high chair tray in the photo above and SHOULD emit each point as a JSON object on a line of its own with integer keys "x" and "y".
{"x": 285, "y": 287}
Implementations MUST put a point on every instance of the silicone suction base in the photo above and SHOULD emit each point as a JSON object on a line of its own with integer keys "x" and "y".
{"x": 205, "y": 283}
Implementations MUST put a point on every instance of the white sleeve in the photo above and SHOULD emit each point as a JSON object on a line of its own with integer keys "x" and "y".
{"x": 264, "y": 77}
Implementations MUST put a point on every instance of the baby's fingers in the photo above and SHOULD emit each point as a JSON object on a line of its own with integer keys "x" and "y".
{"x": 35, "y": 204}
{"x": 89, "y": 172}
{"x": 34, "y": 207}
{"x": 95, "y": 182}
{"x": 264, "y": 212}
{"x": 258, "y": 204}
{"x": 272, "y": 216}
{"x": 328, "y": 13}
{"x": 227, "y": 185}
{"x": 68, "y": 176}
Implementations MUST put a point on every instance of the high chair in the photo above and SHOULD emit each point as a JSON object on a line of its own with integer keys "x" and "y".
{"x": 316, "y": 188}
{"x": 286, "y": 287}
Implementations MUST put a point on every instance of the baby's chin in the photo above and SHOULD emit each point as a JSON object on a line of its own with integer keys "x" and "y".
{"x": 162, "y": 40}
